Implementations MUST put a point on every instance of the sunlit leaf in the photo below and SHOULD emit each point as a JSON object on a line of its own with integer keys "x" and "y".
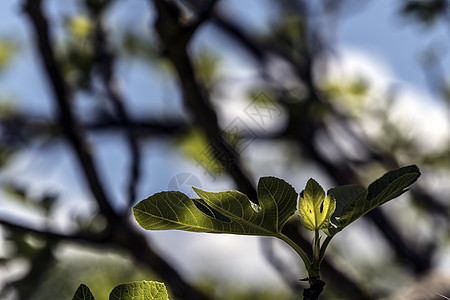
{"x": 354, "y": 201}
{"x": 224, "y": 212}
{"x": 140, "y": 290}
{"x": 314, "y": 208}
{"x": 83, "y": 293}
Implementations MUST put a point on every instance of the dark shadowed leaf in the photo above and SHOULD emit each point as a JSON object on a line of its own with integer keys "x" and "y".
{"x": 344, "y": 195}
{"x": 354, "y": 201}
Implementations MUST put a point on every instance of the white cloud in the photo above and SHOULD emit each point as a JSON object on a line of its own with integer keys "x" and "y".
{"x": 426, "y": 119}
{"x": 350, "y": 63}
{"x": 413, "y": 110}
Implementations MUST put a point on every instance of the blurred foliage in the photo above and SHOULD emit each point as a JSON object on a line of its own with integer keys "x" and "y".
{"x": 206, "y": 66}
{"x": 235, "y": 291}
{"x": 77, "y": 52}
{"x": 136, "y": 46}
{"x": 99, "y": 270}
{"x": 80, "y": 27}
{"x": 425, "y": 11}
{"x": 18, "y": 192}
{"x": 11, "y": 130}
{"x": 8, "y": 49}
{"x": 351, "y": 95}
{"x": 292, "y": 30}
{"x": 6, "y": 155}
{"x": 196, "y": 146}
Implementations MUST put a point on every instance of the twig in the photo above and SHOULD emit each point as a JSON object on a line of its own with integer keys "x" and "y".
{"x": 57, "y": 237}
{"x": 106, "y": 62}
{"x": 175, "y": 37}
{"x": 63, "y": 96}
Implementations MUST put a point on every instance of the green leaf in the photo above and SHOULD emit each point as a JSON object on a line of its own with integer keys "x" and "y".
{"x": 140, "y": 290}
{"x": 83, "y": 293}
{"x": 314, "y": 208}
{"x": 344, "y": 195}
{"x": 354, "y": 201}
{"x": 224, "y": 212}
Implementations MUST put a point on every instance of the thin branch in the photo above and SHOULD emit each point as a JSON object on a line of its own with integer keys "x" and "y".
{"x": 63, "y": 97}
{"x": 175, "y": 37}
{"x": 56, "y": 237}
{"x": 106, "y": 61}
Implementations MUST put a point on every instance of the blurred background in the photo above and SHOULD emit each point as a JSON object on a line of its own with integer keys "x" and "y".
{"x": 105, "y": 102}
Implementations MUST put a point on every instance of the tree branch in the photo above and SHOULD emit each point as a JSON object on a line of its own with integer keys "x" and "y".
{"x": 106, "y": 61}
{"x": 89, "y": 238}
{"x": 63, "y": 96}
{"x": 175, "y": 37}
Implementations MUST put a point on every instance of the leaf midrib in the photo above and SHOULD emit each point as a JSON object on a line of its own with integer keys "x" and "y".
{"x": 231, "y": 216}
{"x": 276, "y": 207}
{"x": 208, "y": 229}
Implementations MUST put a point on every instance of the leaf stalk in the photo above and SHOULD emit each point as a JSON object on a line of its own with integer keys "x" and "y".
{"x": 297, "y": 249}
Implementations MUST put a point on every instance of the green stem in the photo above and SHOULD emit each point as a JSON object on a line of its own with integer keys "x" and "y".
{"x": 316, "y": 245}
{"x": 319, "y": 254}
{"x": 297, "y": 249}
{"x": 314, "y": 266}
{"x": 324, "y": 247}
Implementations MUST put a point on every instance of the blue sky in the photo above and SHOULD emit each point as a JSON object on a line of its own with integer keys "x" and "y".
{"x": 380, "y": 32}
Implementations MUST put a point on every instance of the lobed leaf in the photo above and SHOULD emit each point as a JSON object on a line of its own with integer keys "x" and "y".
{"x": 314, "y": 208}
{"x": 354, "y": 201}
{"x": 83, "y": 293}
{"x": 140, "y": 290}
{"x": 224, "y": 212}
